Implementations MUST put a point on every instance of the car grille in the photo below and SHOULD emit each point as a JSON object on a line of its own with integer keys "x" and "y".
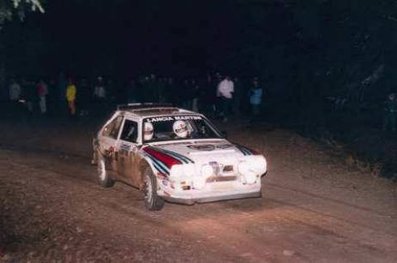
{"x": 221, "y": 178}
{"x": 228, "y": 169}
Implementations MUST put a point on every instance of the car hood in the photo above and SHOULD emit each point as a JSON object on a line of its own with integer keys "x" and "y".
{"x": 204, "y": 151}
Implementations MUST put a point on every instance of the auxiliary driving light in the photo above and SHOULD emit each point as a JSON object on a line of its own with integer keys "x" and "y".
{"x": 198, "y": 182}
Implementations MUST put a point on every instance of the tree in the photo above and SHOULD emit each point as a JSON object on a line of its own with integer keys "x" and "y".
{"x": 10, "y": 9}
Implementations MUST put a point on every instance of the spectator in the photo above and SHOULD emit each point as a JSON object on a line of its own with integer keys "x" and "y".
{"x": 42, "y": 92}
{"x": 255, "y": 98}
{"x": 15, "y": 94}
{"x": 224, "y": 92}
{"x": 389, "y": 121}
{"x": 14, "y": 91}
{"x": 237, "y": 97}
{"x": 71, "y": 92}
{"x": 100, "y": 90}
{"x": 197, "y": 96}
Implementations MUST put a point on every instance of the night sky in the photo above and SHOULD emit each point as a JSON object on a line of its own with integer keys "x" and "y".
{"x": 135, "y": 37}
{"x": 286, "y": 43}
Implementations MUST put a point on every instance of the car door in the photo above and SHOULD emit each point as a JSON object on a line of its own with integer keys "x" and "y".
{"x": 128, "y": 148}
{"x": 109, "y": 145}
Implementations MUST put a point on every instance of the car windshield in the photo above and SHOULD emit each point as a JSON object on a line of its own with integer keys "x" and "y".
{"x": 165, "y": 128}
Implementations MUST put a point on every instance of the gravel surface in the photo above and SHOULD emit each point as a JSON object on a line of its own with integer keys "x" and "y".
{"x": 315, "y": 207}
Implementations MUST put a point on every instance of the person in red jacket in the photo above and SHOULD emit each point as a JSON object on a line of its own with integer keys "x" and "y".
{"x": 42, "y": 91}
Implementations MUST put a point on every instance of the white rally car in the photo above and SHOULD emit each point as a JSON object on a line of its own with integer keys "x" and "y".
{"x": 175, "y": 155}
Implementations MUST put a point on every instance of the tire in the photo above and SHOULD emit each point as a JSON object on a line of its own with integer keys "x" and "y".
{"x": 153, "y": 202}
{"x": 104, "y": 179}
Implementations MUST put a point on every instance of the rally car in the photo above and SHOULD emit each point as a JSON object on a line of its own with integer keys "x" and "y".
{"x": 174, "y": 155}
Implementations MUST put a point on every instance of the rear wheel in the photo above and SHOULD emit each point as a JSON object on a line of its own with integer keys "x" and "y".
{"x": 104, "y": 179}
{"x": 153, "y": 202}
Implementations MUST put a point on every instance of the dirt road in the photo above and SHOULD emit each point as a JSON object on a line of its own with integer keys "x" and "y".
{"x": 314, "y": 207}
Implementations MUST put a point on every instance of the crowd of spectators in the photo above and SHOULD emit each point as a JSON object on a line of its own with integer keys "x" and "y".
{"x": 216, "y": 95}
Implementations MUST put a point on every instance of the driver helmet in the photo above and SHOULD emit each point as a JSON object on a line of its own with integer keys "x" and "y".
{"x": 180, "y": 129}
{"x": 148, "y": 131}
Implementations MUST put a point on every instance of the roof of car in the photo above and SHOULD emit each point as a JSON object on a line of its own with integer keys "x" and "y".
{"x": 152, "y": 109}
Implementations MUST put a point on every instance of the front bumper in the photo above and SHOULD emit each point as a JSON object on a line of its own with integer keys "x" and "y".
{"x": 190, "y": 200}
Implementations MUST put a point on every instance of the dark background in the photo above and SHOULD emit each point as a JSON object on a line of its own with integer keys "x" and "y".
{"x": 279, "y": 40}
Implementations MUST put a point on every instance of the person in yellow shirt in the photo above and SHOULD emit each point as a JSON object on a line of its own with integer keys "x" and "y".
{"x": 71, "y": 92}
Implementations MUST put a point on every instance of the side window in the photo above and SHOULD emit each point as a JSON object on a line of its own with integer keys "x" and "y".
{"x": 130, "y": 131}
{"x": 112, "y": 129}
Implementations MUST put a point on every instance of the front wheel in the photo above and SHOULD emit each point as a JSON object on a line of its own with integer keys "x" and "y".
{"x": 104, "y": 179}
{"x": 153, "y": 202}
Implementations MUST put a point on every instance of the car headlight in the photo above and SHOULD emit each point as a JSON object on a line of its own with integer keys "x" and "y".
{"x": 181, "y": 171}
{"x": 181, "y": 175}
{"x": 260, "y": 164}
{"x": 243, "y": 167}
{"x": 248, "y": 171}
{"x": 176, "y": 171}
{"x": 255, "y": 164}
